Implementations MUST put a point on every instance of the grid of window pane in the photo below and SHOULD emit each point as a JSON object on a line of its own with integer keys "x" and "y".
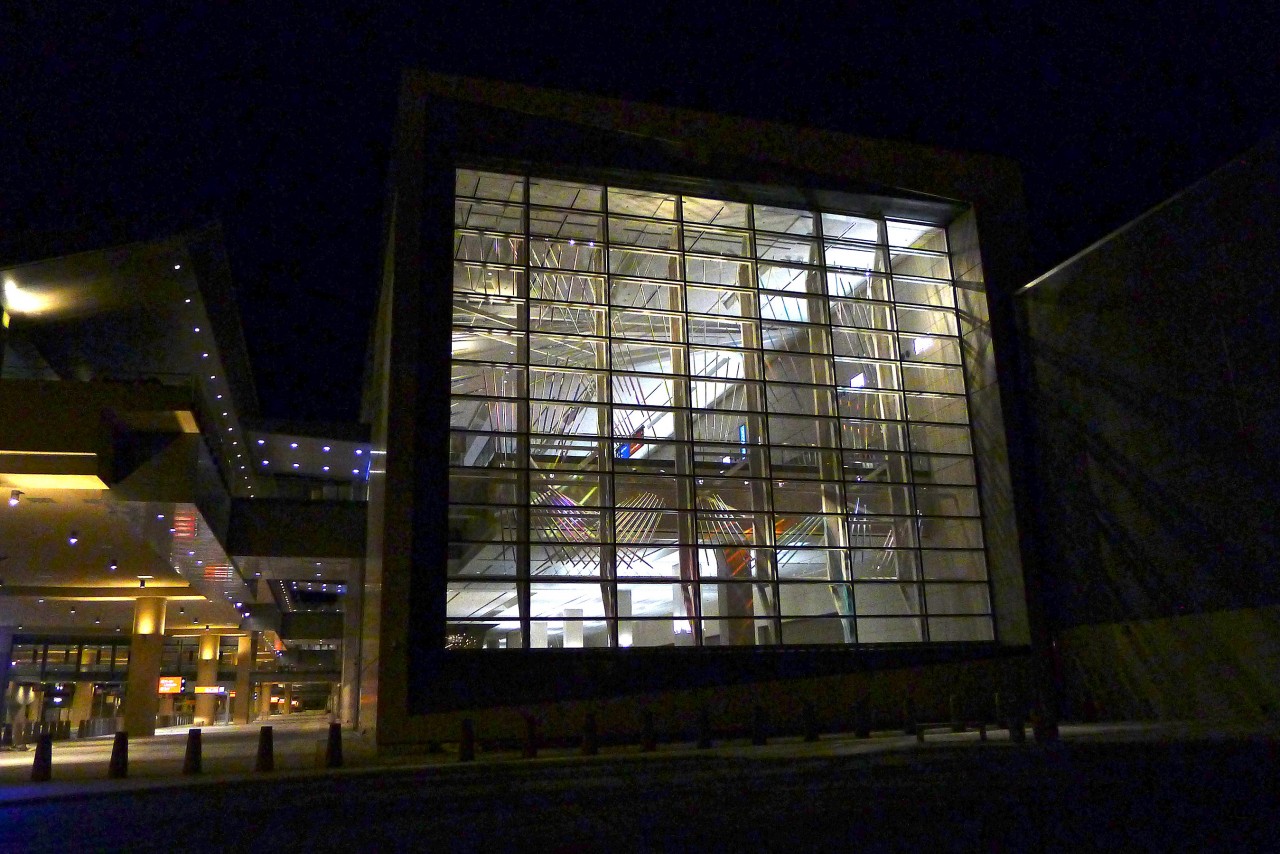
{"x": 685, "y": 421}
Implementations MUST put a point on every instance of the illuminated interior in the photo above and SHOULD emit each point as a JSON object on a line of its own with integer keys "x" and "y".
{"x": 685, "y": 421}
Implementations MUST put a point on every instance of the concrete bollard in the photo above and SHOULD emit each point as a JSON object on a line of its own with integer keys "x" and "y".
{"x": 82, "y": 729}
{"x": 333, "y": 749}
{"x": 530, "y": 737}
{"x": 1017, "y": 729}
{"x": 759, "y": 737}
{"x": 704, "y": 729}
{"x": 810, "y": 722}
{"x": 42, "y": 767}
{"x": 648, "y": 738}
{"x": 192, "y": 763}
{"x": 467, "y": 742}
{"x": 266, "y": 760}
{"x": 590, "y": 738}
{"x": 957, "y": 719}
{"x": 118, "y": 766}
{"x": 982, "y": 732}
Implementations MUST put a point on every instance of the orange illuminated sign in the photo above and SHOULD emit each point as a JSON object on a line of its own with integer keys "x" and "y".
{"x": 210, "y": 689}
{"x": 170, "y": 684}
{"x": 184, "y": 525}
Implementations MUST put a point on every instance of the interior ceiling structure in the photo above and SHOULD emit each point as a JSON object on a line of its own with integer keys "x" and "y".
{"x": 76, "y": 546}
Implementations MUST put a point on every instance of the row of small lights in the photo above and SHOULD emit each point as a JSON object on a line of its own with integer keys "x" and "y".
{"x": 219, "y": 396}
{"x": 244, "y": 469}
{"x": 325, "y": 449}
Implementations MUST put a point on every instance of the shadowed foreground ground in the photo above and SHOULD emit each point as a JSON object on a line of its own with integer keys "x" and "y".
{"x": 1196, "y": 793}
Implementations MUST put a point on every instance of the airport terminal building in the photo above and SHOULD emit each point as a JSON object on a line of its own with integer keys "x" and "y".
{"x": 665, "y": 412}
{"x": 667, "y": 401}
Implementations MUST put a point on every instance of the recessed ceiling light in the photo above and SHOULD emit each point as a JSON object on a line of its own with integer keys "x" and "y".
{"x": 326, "y": 468}
{"x": 355, "y": 471}
{"x": 293, "y": 445}
{"x": 177, "y": 266}
{"x": 359, "y": 452}
{"x": 197, "y": 329}
{"x": 325, "y": 449}
{"x": 265, "y": 462}
{"x": 186, "y": 301}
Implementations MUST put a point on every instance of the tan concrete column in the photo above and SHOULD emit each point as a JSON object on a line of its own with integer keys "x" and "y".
{"x": 246, "y": 650}
{"x": 142, "y": 682}
{"x": 81, "y": 704}
{"x": 6, "y": 654}
{"x": 264, "y": 699}
{"x": 287, "y": 699}
{"x": 207, "y": 675}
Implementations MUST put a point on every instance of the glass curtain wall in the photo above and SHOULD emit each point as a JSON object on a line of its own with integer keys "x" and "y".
{"x": 685, "y": 421}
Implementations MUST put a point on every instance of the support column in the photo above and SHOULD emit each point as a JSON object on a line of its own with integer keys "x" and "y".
{"x": 207, "y": 675}
{"x": 81, "y": 704}
{"x": 246, "y": 650}
{"x": 142, "y": 681}
{"x": 6, "y": 655}
{"x": 264, "y": 699}
{"x": 287, "y": 699}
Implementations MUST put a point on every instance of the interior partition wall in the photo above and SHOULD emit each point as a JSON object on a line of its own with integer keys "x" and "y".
{"x": 678, "y": 420}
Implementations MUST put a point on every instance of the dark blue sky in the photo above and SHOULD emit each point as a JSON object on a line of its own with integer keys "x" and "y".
{"x": 276, "y": 118}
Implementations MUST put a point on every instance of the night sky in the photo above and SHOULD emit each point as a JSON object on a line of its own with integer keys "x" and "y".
{"x": 276, "y": 118}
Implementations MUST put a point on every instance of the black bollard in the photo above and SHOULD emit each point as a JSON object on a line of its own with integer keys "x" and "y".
{"x": 467, "y": 742}
{"x": 590, "y": 737}
{"x": 1045, "y": 724}
{"x": 6, "y": 735}
{"x": 118, "y": 766}
{"x": 810, "y": 722}
{"x": 648, "y": 739}
{"x": 1017, "y": 729}
{"x": 191, "y": 763}
{"x": 530, "y": 737}
{"x": 758, "y": 735}
{"x": 861, "y": 720}
{"x": 908, "y": 718}
{"x": 982, "y": 732}
{"x": 266, "y": 760}
{"x": 333, "y": 750}
{"x": 957, "y": 720}
{"x": 704, "y": 729}
{"x": 42, "y": 768}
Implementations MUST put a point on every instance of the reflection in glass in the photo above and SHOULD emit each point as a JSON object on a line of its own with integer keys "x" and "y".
{"x": 681, "y": 421}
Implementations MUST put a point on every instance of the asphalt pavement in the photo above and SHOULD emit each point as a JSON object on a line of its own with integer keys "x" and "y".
{"x": 1117, "y": 787}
